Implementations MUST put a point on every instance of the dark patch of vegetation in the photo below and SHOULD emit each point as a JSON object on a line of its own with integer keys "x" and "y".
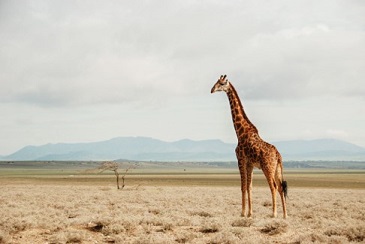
{"x": 275, "y": 228}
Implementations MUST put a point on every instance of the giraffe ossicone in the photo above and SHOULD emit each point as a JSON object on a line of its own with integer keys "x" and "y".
{"x": 252, "y": 151}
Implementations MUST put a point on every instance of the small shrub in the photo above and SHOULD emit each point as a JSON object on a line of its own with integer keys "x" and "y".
{"x": 209, "y": 227}
{"x": 242, "y": 222}
{"x": 313, "y": 237}
{"x": 354, "y": 234}
{"x": 114, "y": 228}
{"x": 226, "y": 238}
{"x": 202, "y": 214}
{"x": 275, "y": 228}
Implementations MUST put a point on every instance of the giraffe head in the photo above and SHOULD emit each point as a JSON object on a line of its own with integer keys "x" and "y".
{"x": 221, "y": 85}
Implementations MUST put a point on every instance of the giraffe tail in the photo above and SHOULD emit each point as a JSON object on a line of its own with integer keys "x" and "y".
{"x": 284, "y": 185}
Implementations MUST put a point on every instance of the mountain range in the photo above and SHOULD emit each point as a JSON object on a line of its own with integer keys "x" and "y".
{"x": 150, "y": 149}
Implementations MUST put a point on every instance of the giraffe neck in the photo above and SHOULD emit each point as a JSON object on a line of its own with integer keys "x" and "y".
{"x": 242, "y": 124}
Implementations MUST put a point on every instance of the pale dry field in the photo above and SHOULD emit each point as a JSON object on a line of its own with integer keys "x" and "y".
{"x": 51, "y": 213}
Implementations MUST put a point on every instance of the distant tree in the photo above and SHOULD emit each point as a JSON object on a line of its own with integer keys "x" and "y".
{"x": 114, "y": 166}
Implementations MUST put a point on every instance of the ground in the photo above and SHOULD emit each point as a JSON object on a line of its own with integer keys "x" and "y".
{"x": 69, "y": 212}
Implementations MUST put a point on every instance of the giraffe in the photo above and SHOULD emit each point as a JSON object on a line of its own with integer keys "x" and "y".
{"x": 252, "y": 151}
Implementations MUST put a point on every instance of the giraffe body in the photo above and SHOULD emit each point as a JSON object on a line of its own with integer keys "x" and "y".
{"x": 252, "y": 151}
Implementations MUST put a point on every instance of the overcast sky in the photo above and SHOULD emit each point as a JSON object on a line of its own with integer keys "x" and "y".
{"x": 83, "y": 71}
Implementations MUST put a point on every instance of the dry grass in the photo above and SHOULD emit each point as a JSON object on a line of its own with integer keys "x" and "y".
{"x": 101, "y": 214}
{"x": 319, "y": 178}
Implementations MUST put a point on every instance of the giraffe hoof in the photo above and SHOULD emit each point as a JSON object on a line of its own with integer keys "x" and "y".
{"x": 243, "y": 215}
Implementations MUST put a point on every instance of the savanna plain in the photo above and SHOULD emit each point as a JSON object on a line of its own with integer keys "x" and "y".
{"x": 49, "y": 205}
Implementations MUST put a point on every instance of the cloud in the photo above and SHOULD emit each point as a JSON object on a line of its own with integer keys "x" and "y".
{"x": 106, "y": 67}
{"x": 306, "y": 62}
{"x": 64, "y": 53}
{"x": 339, "y": 134}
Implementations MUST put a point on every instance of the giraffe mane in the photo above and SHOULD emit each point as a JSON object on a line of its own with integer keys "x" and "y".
{"x": 243, "y": 111}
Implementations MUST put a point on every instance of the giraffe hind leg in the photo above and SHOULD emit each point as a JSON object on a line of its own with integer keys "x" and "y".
{"x": 271, "y": 180}
{"x": 283, "y": 189}
{"x": 273, "y": 188}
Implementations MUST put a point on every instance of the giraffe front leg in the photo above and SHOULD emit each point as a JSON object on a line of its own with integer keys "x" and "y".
{"x": 243, "y": 190}
{"x": 243, "y": 213}
{"x": 249, "y": 214}
{"x": 249, "y": 191}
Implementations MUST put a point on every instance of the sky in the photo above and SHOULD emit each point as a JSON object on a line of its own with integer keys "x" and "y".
{"x": 85, "y": 71}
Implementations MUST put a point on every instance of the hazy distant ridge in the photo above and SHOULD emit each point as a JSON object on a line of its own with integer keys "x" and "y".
{"x": 144, "y": 148}
{"x": 322, "y": 149}
{"x": 136, "y": 148}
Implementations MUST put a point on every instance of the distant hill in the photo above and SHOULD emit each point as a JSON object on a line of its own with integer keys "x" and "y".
{"x": 150, "y": 149}
{"x": 321, "y": 149}
{"x": 133, "y": 148}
